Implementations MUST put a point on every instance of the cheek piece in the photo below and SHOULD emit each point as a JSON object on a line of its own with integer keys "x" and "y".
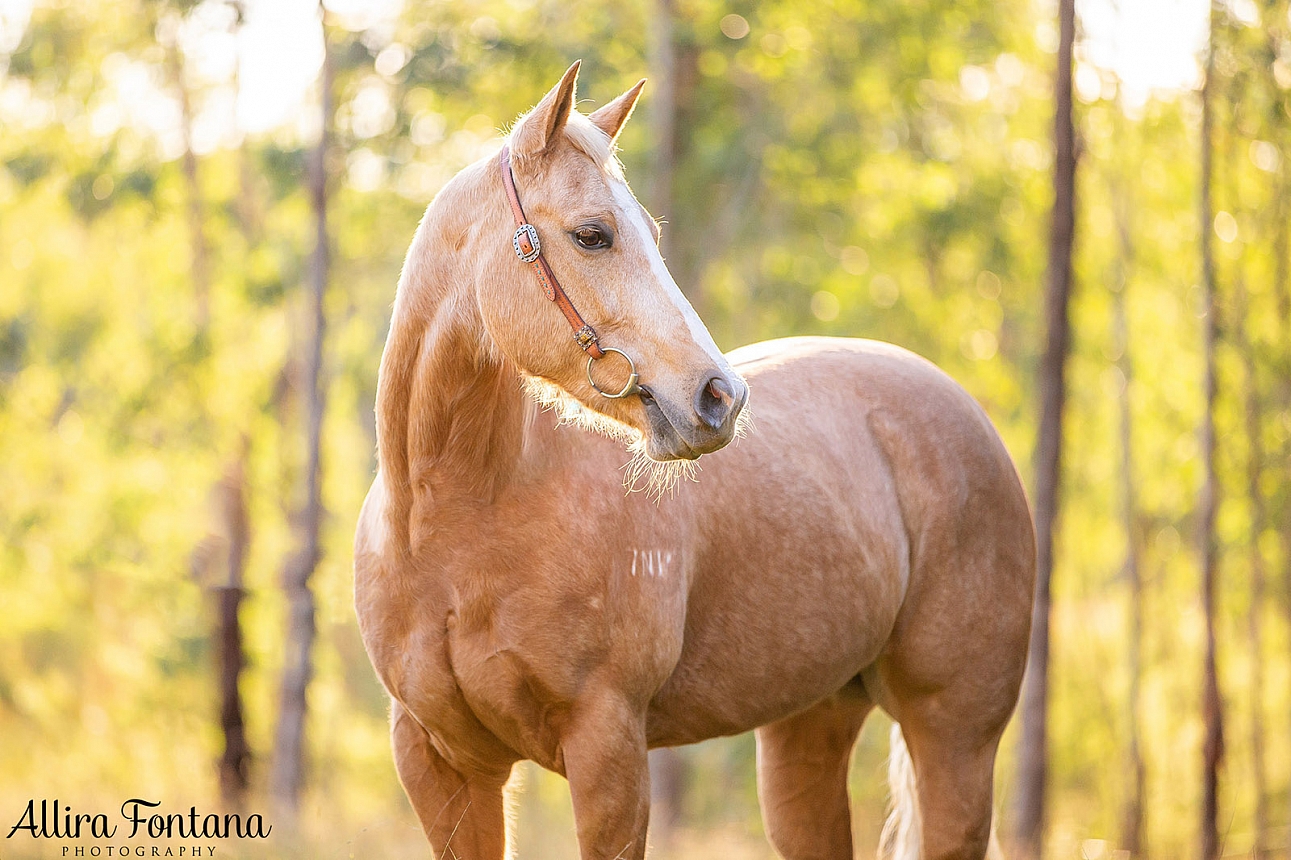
{"x": 529, "y": 250}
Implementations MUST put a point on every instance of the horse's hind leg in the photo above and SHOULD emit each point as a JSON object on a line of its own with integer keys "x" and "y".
{"x": 802, "y": 778}
{"x": 952, "y": 694}
{"x": 462, "y": 815}
{"x": 954, "y": 765}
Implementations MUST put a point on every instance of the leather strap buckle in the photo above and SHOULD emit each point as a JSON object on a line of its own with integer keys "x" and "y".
{"x": 585, "y": 337}
{"x": 526, "y": 235}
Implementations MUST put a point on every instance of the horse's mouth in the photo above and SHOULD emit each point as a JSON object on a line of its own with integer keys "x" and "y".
{"x": 665, "y": 441}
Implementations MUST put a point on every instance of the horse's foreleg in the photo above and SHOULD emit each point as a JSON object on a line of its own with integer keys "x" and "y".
{"x": 609, "y": 780}
{"x": 802, "y": 779}
{"x": 461, "y": 814}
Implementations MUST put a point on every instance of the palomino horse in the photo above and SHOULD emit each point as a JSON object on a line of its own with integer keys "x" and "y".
{"x": 867, "y": 543}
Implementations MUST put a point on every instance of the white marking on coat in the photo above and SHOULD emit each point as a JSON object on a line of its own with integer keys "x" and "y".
{"x": 698, "y": 332}
{"x": 653, "y": 563}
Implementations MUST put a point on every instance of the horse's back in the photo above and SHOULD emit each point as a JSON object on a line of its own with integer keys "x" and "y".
{"x": 789, "y": 373}
{"x": 816, "y": 395}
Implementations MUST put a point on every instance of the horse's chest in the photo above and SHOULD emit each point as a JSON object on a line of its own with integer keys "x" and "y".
{"x": 523, "y": 654}
{"x": 514, "y": 685}
{"x": 501, "y": 635}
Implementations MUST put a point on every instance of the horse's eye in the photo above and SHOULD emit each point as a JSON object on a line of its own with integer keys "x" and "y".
{"x": 592, "y": 238}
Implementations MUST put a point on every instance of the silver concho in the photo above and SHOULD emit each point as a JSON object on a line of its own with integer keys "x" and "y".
{"x": 535, "y": 246}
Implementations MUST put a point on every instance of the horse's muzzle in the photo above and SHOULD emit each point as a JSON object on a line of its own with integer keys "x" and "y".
{"x": 710, "y": 425}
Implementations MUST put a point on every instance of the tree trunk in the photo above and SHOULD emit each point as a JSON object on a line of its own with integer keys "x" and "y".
{"x": 1254, "y": 627}
{"x": 288, "y": 766}
{"x": 1132, "y": 826}
{"x": 228, "y": 594}
{"x": 1282, "y": 299}
{"x": 667, "y": 791}
{"x": 672, "y": 76}
{"x": 1029, "y": 800}
{"x": 250, "y": 217}
{"x": 1212, "y": 705}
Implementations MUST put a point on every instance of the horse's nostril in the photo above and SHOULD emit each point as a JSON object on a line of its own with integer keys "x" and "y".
{"x": 714, "y": 402}
{"x": 721, "y": 389}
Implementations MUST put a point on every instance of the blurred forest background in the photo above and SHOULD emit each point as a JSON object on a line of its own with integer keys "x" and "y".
{"x": 181, "y": 449}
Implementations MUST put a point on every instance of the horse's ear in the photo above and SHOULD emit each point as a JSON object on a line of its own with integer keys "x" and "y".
{"x": 537, "y": 132}
{"x": 611, "y": 118}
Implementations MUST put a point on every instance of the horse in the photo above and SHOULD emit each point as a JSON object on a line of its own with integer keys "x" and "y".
{"x": 865, "y": 543}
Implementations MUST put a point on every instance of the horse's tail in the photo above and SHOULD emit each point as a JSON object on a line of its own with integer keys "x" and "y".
{"x": 900, "y": 839}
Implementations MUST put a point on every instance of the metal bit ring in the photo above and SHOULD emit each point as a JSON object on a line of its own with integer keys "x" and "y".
{"x": 628, "y": 389}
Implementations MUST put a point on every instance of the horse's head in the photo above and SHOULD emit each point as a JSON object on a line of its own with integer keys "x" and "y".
{"x": 602, "y": 246}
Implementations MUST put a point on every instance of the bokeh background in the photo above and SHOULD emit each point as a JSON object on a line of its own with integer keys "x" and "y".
{"x": 876, "y": 168}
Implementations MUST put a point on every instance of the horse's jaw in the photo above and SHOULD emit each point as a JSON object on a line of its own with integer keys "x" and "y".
{"x": 570, "y": 410}
{"x": 654, "y": 472}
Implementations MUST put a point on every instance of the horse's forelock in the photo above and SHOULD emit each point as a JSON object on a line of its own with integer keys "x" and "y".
{"x": 591, "y": 141}
{"x": 594, "y": 143}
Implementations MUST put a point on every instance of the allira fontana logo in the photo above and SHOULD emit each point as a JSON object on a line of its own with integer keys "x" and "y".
{"x": 137, "y": 819}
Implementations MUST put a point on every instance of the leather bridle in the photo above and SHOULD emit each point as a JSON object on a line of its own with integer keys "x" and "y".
{"x": 529, "y": 249}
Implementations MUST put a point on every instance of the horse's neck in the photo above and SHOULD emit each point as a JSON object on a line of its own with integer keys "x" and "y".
{"x": 451, "y": 413}
{"x": 466, "y": 421}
